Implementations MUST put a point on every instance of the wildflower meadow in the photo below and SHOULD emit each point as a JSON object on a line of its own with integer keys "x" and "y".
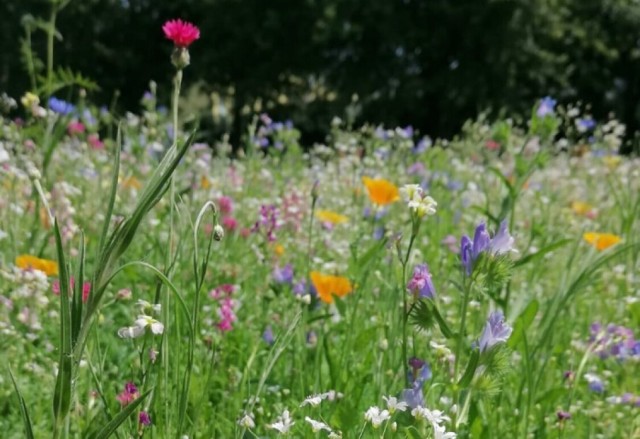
{"x": 379, "y": 284}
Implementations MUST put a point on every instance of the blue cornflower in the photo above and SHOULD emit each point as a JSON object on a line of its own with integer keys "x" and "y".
{"x": 546, "y": 107}
{"x": 59, "y": 106}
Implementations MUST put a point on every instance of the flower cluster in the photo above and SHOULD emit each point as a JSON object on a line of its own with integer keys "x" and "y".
{"x": 419, "y": 203}
{"x": 420, "y": 284}
{"x": 268, "y": 222}
{"x": 614, "y": 341}
{"x": 501, "y": 243}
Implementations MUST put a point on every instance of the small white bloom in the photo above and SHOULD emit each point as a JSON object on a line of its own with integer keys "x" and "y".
{"x": 146, "y": 306}
{"x": 247, "y": 421}
{"x": 148, "y": 321}
{"x": 394, "y": 405}
{"x": 284, "y": 423}
{"x": 411, "y": 192}
{"x": 313, "y": 400}
{"x": 439, "y": 432}
{"x": 316, "y": 426}
{"x": 335, "y": 435}
{"x": 130, "y": 332}
{"x": 434, "y": 417}
{"x": 376, "y": 416}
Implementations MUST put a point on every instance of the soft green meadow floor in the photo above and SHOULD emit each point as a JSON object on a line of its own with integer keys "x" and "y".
{"x": 281, "y": 344}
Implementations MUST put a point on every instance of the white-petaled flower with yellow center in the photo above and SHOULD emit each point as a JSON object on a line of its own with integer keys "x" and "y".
{"x": 394, "y": 405}
{"x": 411, "y": 192}
{"x": 439, "y": 432}
{"x": 376, "y": 416}
{"x": 316, "y": 426}
{"x": 283, "y": 424}
{"x": 149, "y": 322}
{"x": 425, "y": 206}
{"x": 247, "y": 421}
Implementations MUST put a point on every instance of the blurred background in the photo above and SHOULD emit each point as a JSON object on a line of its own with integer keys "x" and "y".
{"x": 431, "y": 64}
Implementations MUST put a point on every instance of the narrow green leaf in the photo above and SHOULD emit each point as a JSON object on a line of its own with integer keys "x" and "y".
{"x": 62, "y": 394}
{"x": 522, "y": 323}
{"x": 470, "y": 370}
{"x": 26, "y": 419}
{"x": 118, "y": 419}
{"x": 114, "y": 188}
{"x": 76, "y": 306}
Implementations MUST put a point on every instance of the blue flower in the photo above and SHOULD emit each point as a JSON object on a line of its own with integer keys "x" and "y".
{"x": 546, "y": 107}
{"x": 502, "y": 242}
{"x": 585, "y": 124}
{"x": 59, "y": 106}
{"x": 283, "y": 275}
{"x": 420, "y": 372}
{"x": 495, "y": 331}
{"x": 267, "y": 335}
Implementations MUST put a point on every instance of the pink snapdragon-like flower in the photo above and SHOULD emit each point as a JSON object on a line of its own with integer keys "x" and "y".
{"x": 182, "y": 33}
{"x": 128, "y": 395}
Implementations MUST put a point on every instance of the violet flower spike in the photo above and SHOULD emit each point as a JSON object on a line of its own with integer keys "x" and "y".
{"x": 502, "y": 242}
{"x": 481, "y": 241}
{"x": 466, "y": 255}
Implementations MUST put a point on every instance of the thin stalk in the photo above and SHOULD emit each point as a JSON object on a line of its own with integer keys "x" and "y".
{"x": 50, "y": 36}
{"x": 405, "y": 312}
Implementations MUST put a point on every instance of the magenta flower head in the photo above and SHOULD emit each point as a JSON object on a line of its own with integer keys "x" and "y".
{"x": 495, "y": 331}
{"x": 144, "y": 418}
{"x": 182, "y": 33}
{"x": 420, "y": 284}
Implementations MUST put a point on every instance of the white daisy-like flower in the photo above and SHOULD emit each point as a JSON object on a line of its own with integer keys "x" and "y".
{"x": 284, "y": 423}
{"x": 247, "y": 421}
{"x": 144, "y": 321}
{"x": 313, "y": 401}
{"x": 433, "y": 416}
{"x": 439, "y": 432}
{"x": 316, "y": 426}
{"x": 376, "y": 416}
{"x": 147, "y": 306}
{"x": 394, "y": 405}
{"x": 411, "y": 192}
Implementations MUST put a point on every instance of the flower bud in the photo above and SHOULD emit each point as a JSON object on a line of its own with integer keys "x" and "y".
{"x": 218, "y": 232}
{"x": 180, "y": 57}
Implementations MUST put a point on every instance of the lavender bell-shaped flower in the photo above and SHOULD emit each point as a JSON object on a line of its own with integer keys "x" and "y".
{"x": 495, "y": 331}
{"x": 466, "y": 255}
{"x": 502, "y": 242}
{"x": 481, "y": 241}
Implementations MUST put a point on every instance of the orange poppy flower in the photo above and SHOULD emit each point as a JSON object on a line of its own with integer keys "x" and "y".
{"x": 601, "y": 241}
{"x": 131, "y": 183}
{"x": 381, "y": 192}
{"x": 327, "y": 286}
{"x": 26, "y": 262}
{"x": 328, "y": 216}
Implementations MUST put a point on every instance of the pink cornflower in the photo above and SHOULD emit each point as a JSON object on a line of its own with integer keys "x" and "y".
{"x": 182, "y": 33}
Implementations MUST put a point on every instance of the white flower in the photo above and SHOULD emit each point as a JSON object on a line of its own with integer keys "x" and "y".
{"x": 440, "y": 432}
{"x": 435, "y": 416}
{"x": 335, "y": 435}
{"x": 146, "y": 306}
{"x": 3, "y": 234}
{"x": 313, "y": 400}
{"x": 284, "y": 423}
{"x": 130, "y": 332}
{"x": 376, "y": 416}
{"x": 394, "y": 405}
{"x": 316, "y": 426}
{"x": 147, "y": 321}
{"x": 411, "y": 192}
{"x": 247, "y": 421}
{"x": 424, "y": 206}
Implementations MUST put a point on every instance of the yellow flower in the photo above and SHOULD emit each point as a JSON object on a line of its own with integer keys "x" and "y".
{"x": 328, "y": 286}
{"x": 26, "y": 262}
{"x": 29, "y": 100}
{"x": 581, "y": 208}
{"x": 131, "y": 183}
{"x": 601, "y": 241}
{"x": 612, "y": 161}
{"x": 328, "y": 216}
{"x": 381, "y": 192}
{"x": 204, "y": 182}
{"x": 279, "y": 249}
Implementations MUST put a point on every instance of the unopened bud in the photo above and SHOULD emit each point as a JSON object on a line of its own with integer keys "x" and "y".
{"x": 218, "y": 232}
{"x": 180, "y": 57}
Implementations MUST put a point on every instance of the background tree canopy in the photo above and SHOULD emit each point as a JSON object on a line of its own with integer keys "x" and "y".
{"x": 429, "y": 63}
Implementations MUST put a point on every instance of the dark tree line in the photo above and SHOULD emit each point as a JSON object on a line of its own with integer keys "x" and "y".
{"x": 428, "y": 63}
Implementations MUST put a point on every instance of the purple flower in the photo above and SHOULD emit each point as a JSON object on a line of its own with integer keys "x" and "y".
{"x": 283, "y": 275}
{"x": 422, "y": 146}
{"x": 60, "y": 106}
{"x": 466, "y": 250}
{"x": 495, "y": 331}
{"x": 267, "y": 335}
{"x": 481, "y": 241}
{"x": 502, "y": 242}
{"x": 144, "y": 418}
{"x": 546, "y": 107}
{"x": 420, "y": 372}
{"x": 585, "y": 124}
{"x": 420, "y": 285}
{"x": 563, "y": 416}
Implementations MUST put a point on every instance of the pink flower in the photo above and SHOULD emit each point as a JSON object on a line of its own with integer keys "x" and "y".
{"x": 226, "y": 205}
{"x": 144, "y": 418}
{"x": 75, "y": 127}
{"x": 86, "y": 288}
{"x": 230, "y": 223}
{"x": 182, "y": 33}
{"x": 95, "y": 142}
{"x": 128, "y": 395}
